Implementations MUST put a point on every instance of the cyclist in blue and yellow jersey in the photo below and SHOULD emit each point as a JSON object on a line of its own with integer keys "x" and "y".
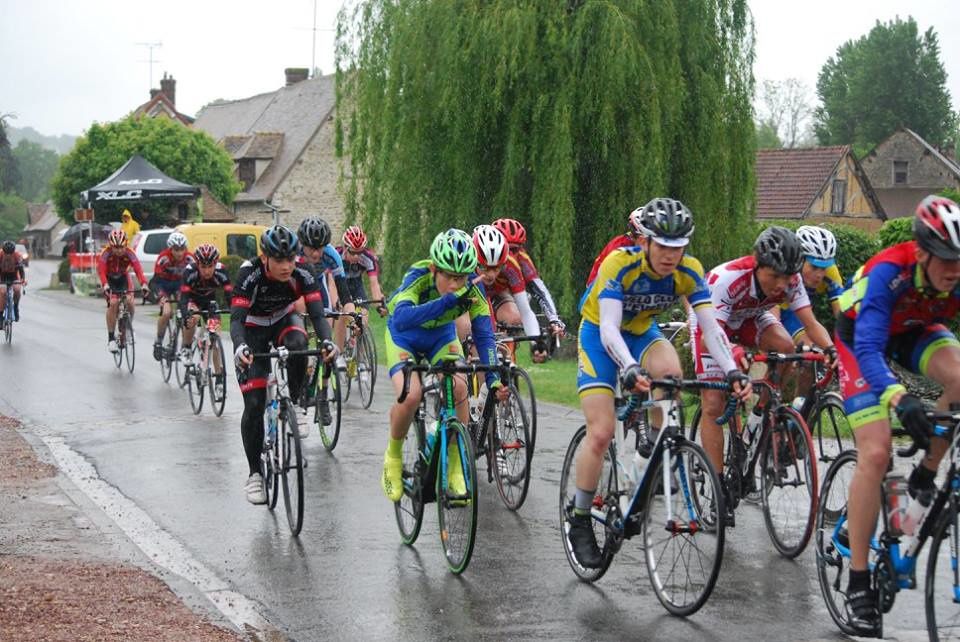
{"x": 896, "y": 308}
{"x": 819, "y": 274}
{"x": 619, "y": 332}
{"x": 421, "y": 325}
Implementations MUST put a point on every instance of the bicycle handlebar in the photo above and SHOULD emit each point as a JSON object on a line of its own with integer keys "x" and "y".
{"x": 444, "y": 367}
{"x": 286, "y": 354}
{"x": 951, "y": 416}
{"x": 366, "y": 301}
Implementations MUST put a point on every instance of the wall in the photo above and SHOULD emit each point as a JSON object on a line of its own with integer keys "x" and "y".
{"x": 924, "y": 169}
{"x": 857, "y": 204}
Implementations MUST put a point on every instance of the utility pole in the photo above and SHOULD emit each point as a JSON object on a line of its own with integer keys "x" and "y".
{"x": 151, "y": 46}
{"x": 313, "y": 53}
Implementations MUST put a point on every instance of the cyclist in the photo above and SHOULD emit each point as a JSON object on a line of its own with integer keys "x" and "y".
{"x": 113, "y": 268}
{"x": 323, "y": 261}
{"x": 516, "y": 237}
{"x": 167, "y": 274}
{"x": 743, "y": 292}
{"x": 630, "y": 238}
{"x": 12, "y": 274}
{"x": 423, "y": 309}
{"x": 359, "y": 259}
{"x": 199, "y": 286}
{"x": 262, "y": 312}
{"x": 819, "y": 275}
{"x": 619, "y": 332}
{"x": 492, "y": 254}
{"x": 895, "y": 308}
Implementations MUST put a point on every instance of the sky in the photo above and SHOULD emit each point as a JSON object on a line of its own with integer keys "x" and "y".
{"x": 68, "y": 63}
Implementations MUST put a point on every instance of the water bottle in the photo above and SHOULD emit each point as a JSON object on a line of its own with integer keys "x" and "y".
{"x": 273, "y": 410}
{"x": 635, "y": 470}
{"x": 895, "y": 491}
{"x": 798, "y": 403}
{"x": 917, "y": 510}
{"x": 754, "y": 421}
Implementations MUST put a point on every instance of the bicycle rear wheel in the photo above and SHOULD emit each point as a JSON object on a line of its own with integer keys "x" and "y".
{"x": 8, "y": 328}
{"x": 828, "y": 422}
{"x": 788, "y": 471}
{"x": 118, "y": 355}
{"x": 168, "y": 349}
{"x": 350, "y": 358}
{"x": 683, "y": 538}
{"x": 372, "y": 346}
{"x": 509, "y": 438}
{"x": 366, "y": 370}
{"x": 942, "y": 584}
{"x": 457, "y": 506}
{"x": 218, "y": 382}
{"x": 330, "y": 435}
{"x": 129, "y": 344}
{"x": 409, "y": 510}
{"x": 608, "y": 488}
{"x": 292, "y": 467}
{"x": 524, "y": 386}
{"x": 833, "y": 556}
{"x": 195, "y": 388}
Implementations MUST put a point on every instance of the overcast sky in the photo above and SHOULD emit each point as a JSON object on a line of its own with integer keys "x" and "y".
{"x": 68, "y": 63}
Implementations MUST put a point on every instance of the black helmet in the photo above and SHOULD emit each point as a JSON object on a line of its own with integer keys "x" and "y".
{"x": 9, "y": 247}
{"x": 778, "y": 248}
{"x": 278, "y": 242}
{"x": 665, "y": 220}
{"x": 314, "y": 232}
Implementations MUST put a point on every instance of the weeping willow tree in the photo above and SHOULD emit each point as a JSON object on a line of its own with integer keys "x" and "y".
{"x": 563, "y": 115}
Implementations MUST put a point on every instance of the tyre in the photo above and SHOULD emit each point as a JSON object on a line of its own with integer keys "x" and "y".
{"x": 457, "y": 511}
{"x": 270, "y": 469}
{"x": 409, "y": 510}
{"x": 828, "y": 422}
{"x": 789, "y": 482}
{"x": 330, "y": 435}
{"x": 8, "y": 329}
{"x": 195, "y": 387}
{"x": 292, "y": 467}
{"x": 508, "y": 438}
{"x": 607, "y": 489}
{"x": 942, "y": 583}
{"x": 121, "y": 337}
{"x": 129, "y": 344}
{"x": 524, "y": 386}
{"x": 684, "y": 539}
{"x": 366, "y": 370}
{"x": 169, "y": 349}
{"x": 833, "y": 557}
{"x": 372, "y": 347}
{"x": 218, "y": 382}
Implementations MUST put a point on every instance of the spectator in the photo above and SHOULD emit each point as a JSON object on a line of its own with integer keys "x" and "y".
{"x": 130, "y": 226}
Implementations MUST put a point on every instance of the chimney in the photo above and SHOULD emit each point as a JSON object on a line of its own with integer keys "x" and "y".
{"x": 296, "y": 74}
{"x": 168, "y": 86}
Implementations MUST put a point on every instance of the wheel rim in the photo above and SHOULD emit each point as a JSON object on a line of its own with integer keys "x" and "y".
{"x": 215, "y": 356}
{"x": 941, "y": 584}
{"x": 330, "y": 435}
{"x": 510, "y": 456}
{"x": 130, "y": 346}
{"x": 409, "y": 510}
{"x": 458, "y": 516}
{"x": 168, "y": 350}
{"x": 292, "y": 471}
{"x": 195, "y": 388}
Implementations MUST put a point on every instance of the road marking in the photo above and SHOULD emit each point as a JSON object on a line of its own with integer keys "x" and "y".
{"x": 161, "y": 547}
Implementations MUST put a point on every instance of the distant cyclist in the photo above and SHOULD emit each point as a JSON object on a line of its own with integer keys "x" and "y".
{"x": 167, "y": 276}
{"x": 819, "y": 274}
{"x": 360, "y": 260}
{"x": 631, "y": 238}
{"x": 113, "y": 268}
{"x": 198, "y": 289}
{"x": 12, "y": 274}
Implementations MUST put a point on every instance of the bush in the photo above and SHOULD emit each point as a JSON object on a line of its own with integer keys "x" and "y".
{"x": 896, "y": 230}
{"x": 63, "y": 271}
{"x": 232, "y": 264}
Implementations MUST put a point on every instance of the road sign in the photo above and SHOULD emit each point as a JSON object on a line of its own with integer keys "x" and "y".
{"x": 83, "y": 214}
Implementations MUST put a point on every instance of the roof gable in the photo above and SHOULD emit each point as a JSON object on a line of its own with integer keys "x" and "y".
{"x": 161, "y": 105}
{"x": 943, "y": 160}
{"x": 788, "y": 180}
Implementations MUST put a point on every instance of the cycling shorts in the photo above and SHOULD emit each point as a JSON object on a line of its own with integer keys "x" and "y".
{"x": 119, "y": 284}
{"x": 792, "y": 324}
{"x": 501, "y": 298}
{"x": 747, "y": 335}
{"x": 259, "y": 338}
{"x": 431, "y": 344}
{"x": 166, "y": 288}
{"x": 596, "y": 371}
{"x": 356, "y": 290}
{"x": 912, "y": 350}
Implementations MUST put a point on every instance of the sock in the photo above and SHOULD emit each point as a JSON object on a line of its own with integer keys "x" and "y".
{"x": 921, "y": 478}
{"x": 582, "y": 501}
{"x": 111, "y": 337}
{"x": 859, "y": 581}
{"x": 394, "y": 447}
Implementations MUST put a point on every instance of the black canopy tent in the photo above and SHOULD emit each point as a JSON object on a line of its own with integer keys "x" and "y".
{"x": 137, "y": 180}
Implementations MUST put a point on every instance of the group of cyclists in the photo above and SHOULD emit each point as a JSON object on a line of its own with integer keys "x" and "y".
{"x": 894, "y": 307}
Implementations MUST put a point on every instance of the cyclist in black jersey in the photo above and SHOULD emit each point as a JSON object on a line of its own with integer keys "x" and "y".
{"x": 262, "y": 311}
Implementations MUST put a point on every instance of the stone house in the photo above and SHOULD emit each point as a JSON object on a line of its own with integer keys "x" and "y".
{"x": 818, "y": 185}
{"x": 163, "y": 103}
{"x": 283, "y": 145}
{"x": 43, "y": 230}
{"x": 905, "y": 168}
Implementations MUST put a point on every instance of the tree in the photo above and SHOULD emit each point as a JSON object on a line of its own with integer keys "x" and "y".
{"x": 767, "y": 136}
{"x": 188, "y": 155}
{"x": 36, "y": 165}
{"x": 564, "y": 115}
{"x": 9, "y": 174}
{"x": 786, "y": 111}
{"x": 13, "y": 216}
{"x": 890, "y": 78}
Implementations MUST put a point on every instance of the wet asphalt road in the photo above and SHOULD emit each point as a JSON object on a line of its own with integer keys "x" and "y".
{"x": 348, "y": 576}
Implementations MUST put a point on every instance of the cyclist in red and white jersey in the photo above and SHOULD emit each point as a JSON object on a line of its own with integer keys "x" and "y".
{"x": 632, "y": 237}
{"x": 113, "y": 268}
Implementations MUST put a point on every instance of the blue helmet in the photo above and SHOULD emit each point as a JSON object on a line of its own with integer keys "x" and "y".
{"x": 278, "y": 242}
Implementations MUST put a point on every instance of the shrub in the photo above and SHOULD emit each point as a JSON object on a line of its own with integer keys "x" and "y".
{"x": 232, "y": 264}
{"x": 63, "y": 271}
{"x": 896, "y": 230}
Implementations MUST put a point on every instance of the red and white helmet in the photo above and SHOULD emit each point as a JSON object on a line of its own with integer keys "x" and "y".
{"x": 512, "y": 230}
{"x": 207, "y": 254}
{"x": 936, "y": 227}
{"x": 117, "y": 238}
{"x": 354, "y": 238}
{"x": 491, "y": 245}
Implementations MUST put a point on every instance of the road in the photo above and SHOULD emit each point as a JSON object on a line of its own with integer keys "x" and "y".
{"x": 174, "y": 482}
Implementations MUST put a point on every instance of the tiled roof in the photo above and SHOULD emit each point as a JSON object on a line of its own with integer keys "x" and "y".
{"x": 46, "y": 220}
{"x": 788, "y": 180}
{"x": 296, "y": 112}
{"x": 161, "y": 104}
{"x": 262, "y": 145}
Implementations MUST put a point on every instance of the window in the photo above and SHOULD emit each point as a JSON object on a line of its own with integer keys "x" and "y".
{"x": 839, "y": 196}
{"x": 243, "y": 245}
{"x": 900, "y": 172}
{"x": 247, "y": 172}
{"x": 155, "y": 243}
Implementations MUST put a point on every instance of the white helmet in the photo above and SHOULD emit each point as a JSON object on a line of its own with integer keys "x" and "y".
{"x": 177, "y": 240}
{"x": 491, "y": 245}
{"x": 819, "y": 245}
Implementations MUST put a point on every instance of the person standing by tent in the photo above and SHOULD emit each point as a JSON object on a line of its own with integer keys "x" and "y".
{"x": 129, "y": 225}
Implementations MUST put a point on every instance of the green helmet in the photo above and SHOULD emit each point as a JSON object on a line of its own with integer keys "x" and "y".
{"x": 452, "y": 251}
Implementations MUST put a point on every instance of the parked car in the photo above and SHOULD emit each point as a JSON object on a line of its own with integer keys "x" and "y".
{"x": 22, "y": 249}
{"x": 235, "y": 239}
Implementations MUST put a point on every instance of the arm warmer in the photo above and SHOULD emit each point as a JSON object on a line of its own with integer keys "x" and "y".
{"x": 529, "y": 319}
{"x": 542, "y": 295}
{"x": 714, "y": 338}
{"x": 611, "y": 314}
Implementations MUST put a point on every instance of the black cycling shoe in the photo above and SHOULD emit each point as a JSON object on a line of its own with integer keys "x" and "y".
{"x": 584, "y": 542}
{"x": 157, "y": 351}
{"x": 730, "y": 519}
{"x": 325, "y": 415}
{"x": 863, "y": 613}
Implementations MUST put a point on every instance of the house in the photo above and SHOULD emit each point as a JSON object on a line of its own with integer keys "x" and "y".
{"x": 163, "y": 103}
{"x": 816, "y": 184}
{"x": 283, "y": 145}
{"x": 43, "y": 230}
{"x": 905, "y": 168}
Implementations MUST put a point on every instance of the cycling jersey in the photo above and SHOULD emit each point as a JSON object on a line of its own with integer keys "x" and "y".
{"x": 831, "y": 285}
{"x": 624, "y": 240}
{"x": 169, "y": 268}
{"x": 331, "y": 262}
{"x": 737, "y": 297}
{"x": 115, "y": 265}
{"x": 366, "y": 263}
{"x": 626, "y": 275}
{"x": 510, "y": 279}
{"x": 11, "y": 266}
{"x": 535, "y": 284}
{"x": 199, "y": 291}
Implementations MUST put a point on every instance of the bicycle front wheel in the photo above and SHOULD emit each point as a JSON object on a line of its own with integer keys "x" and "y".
{"x": 683, "y": 529}
{"x": 457, "y": 497}
{"x": 788, "y": 473}
{"x": 942, "y": 585}
{"x": 218, "y": 382}
{"x": 524, "y": 386}
{"x": 8, "y": 329}
{"x": 366, "y": 369}
{"x": 168, "y": 349}
{"x": 292, "y": 468}
{"x": 195, "y": 388}
{"x": 129, "y": 344}
{"x": 409, "y": 510}
{"x": 509, "y": 438}
{"x": 828, "y": 423}
{"x": 330, "y": 433}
